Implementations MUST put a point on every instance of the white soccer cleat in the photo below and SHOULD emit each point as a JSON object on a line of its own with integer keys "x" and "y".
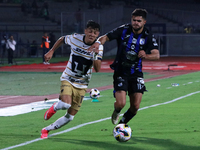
{"x": 115, "y": 117}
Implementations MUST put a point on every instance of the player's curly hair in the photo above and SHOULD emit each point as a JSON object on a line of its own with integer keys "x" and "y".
{"x": 92, "y": 24}
{"x": 140, "y": 12}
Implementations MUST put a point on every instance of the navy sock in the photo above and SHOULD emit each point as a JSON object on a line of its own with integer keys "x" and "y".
{"x": 128, "y": 115}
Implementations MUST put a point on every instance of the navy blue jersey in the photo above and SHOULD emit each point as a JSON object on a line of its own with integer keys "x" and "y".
{"x": 129, "y": 44}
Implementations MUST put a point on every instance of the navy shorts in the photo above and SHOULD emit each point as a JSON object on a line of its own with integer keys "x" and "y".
{"x": 131, "y": 84}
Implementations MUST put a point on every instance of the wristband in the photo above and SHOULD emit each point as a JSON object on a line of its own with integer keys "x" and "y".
{"x": 95, "y": 56}
{"x": 98, "y": 42}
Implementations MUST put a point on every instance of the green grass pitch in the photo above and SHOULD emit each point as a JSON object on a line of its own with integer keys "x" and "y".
{"x": 173, "y": 126}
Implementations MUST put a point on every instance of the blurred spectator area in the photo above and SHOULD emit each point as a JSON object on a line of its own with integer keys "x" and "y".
{"x": 174, "y": 14}
{"x": 175, "y": 11}
{"x": 164, "y": 17}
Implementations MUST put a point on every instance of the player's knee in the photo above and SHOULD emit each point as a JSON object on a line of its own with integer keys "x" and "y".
{"x": 120, "y": 103}
{"x": 68, "y": 116}
{"x": 137, "y": 107}
{"x": 122, "y": 106}
{"x": 134, "y": 108}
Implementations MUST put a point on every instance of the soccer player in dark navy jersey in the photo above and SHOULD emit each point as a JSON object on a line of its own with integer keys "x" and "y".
{"x": 134, "y": 43}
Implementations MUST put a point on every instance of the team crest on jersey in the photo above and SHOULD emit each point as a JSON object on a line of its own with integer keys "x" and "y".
{"x": 142, "y": 41}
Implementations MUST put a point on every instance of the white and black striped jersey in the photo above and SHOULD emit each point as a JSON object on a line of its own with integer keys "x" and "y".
{"x": 79, "y": 67}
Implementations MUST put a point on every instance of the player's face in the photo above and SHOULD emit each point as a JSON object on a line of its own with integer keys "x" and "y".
{"x": 137, "y": 23}
{"x": 91, "y": 35}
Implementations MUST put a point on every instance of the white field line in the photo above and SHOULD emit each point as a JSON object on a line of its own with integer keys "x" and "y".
{"x": 92, "y": 122}
{"x": 27, "y": 108}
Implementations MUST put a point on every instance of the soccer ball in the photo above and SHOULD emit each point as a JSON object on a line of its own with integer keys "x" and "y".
{"x": 94, "y": 93}
{"x": 122, "y": 132}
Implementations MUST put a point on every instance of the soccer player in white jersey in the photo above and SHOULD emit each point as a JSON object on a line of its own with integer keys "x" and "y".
{"x": 76, "y": 76}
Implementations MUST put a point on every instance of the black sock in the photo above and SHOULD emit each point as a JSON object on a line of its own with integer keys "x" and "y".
{"x": 128, "y": 115}
{"x": 117, "y": 111}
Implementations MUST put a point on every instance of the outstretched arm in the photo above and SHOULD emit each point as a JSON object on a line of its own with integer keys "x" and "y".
{"x": 95, "y": 46}
{"x": 57, "y": 44}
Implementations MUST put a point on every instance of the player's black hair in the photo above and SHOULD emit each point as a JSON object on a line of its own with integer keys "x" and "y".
{"x": 140, "y": 12}
{"x": 92, "y": 24}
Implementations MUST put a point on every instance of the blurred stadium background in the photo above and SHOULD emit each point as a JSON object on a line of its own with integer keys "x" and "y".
{"x": 176, "y": 25}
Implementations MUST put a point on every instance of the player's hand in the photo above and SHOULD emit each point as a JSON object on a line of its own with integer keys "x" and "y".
{"x": 48, "y": 55}
{"x": 142, "y": 54}
{"x": 94, "y": 48}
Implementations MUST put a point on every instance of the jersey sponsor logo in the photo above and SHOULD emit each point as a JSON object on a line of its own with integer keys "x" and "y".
{"x": 81, "y": 51}
{"x": 131, "y": 55}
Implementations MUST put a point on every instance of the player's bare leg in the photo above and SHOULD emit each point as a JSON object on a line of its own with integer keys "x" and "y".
{"x": 118, "y": 105}
{"x": 135, "y": 100}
